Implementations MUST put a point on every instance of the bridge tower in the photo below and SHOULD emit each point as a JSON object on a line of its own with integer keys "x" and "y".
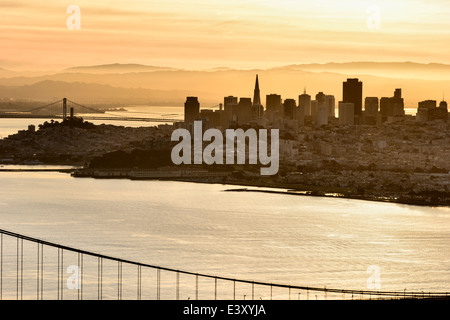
{"x": 64, "y": 109}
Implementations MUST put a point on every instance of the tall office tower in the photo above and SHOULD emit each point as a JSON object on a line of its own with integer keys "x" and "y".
{"x": 443, "y": 106}
{"x": 191, "y": 109}
{"x": 346, "y": 113}
{"x": 300, "y": 115}
{"x": 320, "y": 98}
{"x": 328, "y": 101}
{"x": 230, "y": 107}
{"x": 322, "y": 115}
{"x": 304, "y": 100}
{"x": 289, "y": 107}
{"x": 244, "y": 110}
{"x": 314, "y": 109}
{"x": 230, "y": 100}
{"x": 273, "y": 102}
{"x": 442, "y": 112}
{"x": 371, "y": 106}
{"x": 370, "y": 114}
{"x": 352, "y": 93}
{"x": 392, "y": 107}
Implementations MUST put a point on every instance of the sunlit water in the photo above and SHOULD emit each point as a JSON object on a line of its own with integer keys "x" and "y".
{"x": 275, "y": 238}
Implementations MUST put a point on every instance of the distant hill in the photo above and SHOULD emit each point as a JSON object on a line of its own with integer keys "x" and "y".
{"x": 159, "y": 85}
{"x": 117, "y": 68}
{"x": 410, "y": 70}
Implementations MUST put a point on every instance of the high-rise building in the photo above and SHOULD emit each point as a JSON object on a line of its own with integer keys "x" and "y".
{"x": 322, "y": 114}
{"x": 230, "y": 108}
{"x": 191, "y": 109}
{"x": 257, "y": 109}
{"x": 370, "y": 114}
{"x": 393, "y": 106}
{"x": 301, "y": 115}
{"x": 230, "y": 100}
{"x": 257, "y": 95}
{"x": 304, "y": 101}
{"x": 273, "y": 102}
{"x": 314, "y": 109}
{"x": 244, "y": 110}
{"x": 428, "y": 111}
{"x": 371, "y": 106}
{"x": 346, "y": 113}
{"x": 328, "y": 101}
{"x": 352, "y": 93}
{"x": 289, "y": 107}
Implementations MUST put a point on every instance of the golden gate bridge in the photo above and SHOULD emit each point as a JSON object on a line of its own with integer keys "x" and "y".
{"x": 36, "y": 269}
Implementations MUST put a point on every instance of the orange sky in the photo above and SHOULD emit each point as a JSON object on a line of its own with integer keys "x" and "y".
{"x": 214, "y": 33}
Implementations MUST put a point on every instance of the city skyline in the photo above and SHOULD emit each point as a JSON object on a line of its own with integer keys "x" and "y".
{"x": 354, "y": 108}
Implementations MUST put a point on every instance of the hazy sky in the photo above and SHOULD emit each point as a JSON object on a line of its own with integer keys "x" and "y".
{"x": 215, "y": 33}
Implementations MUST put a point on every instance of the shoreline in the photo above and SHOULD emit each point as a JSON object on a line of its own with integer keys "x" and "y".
{"x": 279, "y": 188}
{"x": 286, "y": 189}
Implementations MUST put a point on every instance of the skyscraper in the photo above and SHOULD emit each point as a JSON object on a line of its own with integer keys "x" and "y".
{"x": 289, "y": 107}
{"x": 257, "y": 95}
{"x": 393, "y": 106}
{"x": 304, "y": 101}
{"x": 328, "y": 101}
{"x": 352, "y": 93}
{"x": 322, "y": 115}
{"x": 346, "y": 113}
{"x": 257, "y": 109}
{"x": 370, "y": 114}
{"x": 371, "y": 106}
{"x": 230, "y": 106}
{"x": 244, "y": 110}
{"x": 191, "y": 109}
{"x": 273, "y": 102}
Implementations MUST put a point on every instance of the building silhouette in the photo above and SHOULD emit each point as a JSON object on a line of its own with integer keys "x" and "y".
{"x": 346, "y": 113}
{"x": 273, "y": 102}
{"x": 257, "y": 94}
{"x": 393, "y": 106}
{"x": 289, "y": 107}
{"x": 322, "y": 114}
{"x": 352, "y": 93}
{"x": 273, "y": 107}
{"x": 230, "y": 104}
{"x": 370, "y": 114}
{"x": 304, "y": 101}
{"x": 428, "y": 111}
{"x": 314, "y": 109}
{"x": 191, "y": 110}
{"x": 258, "y": 109}
{"x": 244, "y": 110}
